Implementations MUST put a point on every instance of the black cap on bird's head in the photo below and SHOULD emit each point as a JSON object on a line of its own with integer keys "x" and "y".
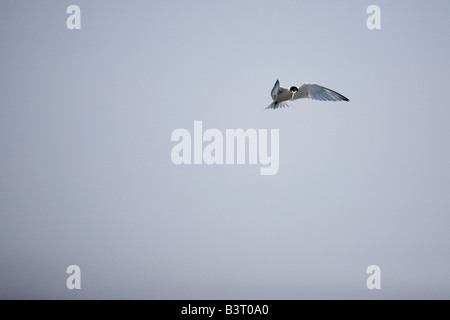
{"x": 294, "y": 90}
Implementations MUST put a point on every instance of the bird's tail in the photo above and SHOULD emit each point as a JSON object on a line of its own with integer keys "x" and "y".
{"x": 274, "y": 105}
{"x": 270, "y": 106}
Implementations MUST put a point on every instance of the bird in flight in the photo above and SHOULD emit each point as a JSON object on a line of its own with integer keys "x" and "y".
{"x": 281, "y": 95}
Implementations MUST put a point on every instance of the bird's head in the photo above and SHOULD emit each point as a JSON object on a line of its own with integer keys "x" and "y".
{"x": 293, "y": 90}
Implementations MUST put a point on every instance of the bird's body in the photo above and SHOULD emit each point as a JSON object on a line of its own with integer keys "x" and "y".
{"x": 281, "y": 95}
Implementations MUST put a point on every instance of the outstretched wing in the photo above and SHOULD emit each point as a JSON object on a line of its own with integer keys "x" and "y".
{"x": 275, "y": 89}
{"x": 316, "y": 92}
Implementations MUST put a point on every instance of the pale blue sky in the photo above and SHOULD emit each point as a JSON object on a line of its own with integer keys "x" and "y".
{"x": 86, "y": 176}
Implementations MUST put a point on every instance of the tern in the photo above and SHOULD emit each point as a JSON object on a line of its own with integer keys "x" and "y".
{"x": 281, "y": 95}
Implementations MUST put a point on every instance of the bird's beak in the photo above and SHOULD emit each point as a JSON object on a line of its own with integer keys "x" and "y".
{"x": 293, "y": 94}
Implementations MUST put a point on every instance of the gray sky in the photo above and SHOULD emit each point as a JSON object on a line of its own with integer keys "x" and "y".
{"x": 86, "y": 176}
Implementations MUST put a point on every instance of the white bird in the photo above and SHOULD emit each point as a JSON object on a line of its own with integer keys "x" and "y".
{"x": 281, "y": 95}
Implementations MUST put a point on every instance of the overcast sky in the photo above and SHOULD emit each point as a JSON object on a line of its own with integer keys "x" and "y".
{"x": 86, "y": 176}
